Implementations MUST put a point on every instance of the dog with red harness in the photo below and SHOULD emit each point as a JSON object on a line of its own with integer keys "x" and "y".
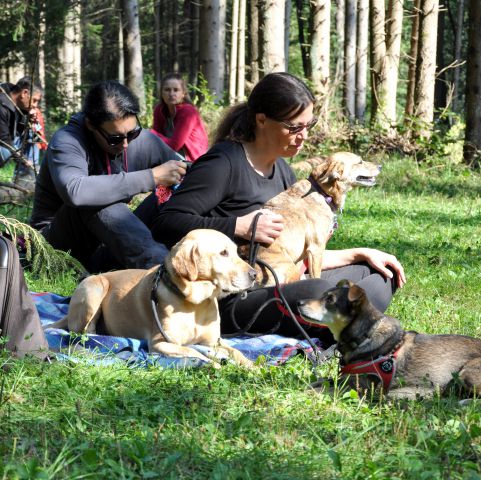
{"x": 376, "y": 351}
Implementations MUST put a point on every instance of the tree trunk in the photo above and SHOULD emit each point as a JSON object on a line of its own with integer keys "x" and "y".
{"x": 393, "y": 51}
{"x": 41, "y": 50}
{"x": 413, "y": 55}
{"x": 320, "y": 53}
{"x": 361, "y": 58}
{"x": 287, "y": 31}
{"x": 133, "y": 53}
{"x": 70, "y": 59}
{"x": 175, "y": 37}
{"x": 241, "y": 55}
{"x": 378, "y": 58}
{"x": 426, "y": 67}
{"x": 440, "y": 86}
{"x": 272, "y": 13}
{"x": 350, "y": 60}
{"x": 121, "y": 71}
{"x": 157, "y": 48}
{"x": 340, "y": 25}
{"x": 457, "y": 53}
{"x": 233, "y": 52}
{"x": 254, "y": 41}
{"x": 306, "y": 64}
{"x": 212, "y": 45}
{"x": 192, "y": 56}
{"x": 472, "y": 141}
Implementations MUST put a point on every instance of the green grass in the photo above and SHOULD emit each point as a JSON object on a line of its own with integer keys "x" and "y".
{"x": 78, "y": 421}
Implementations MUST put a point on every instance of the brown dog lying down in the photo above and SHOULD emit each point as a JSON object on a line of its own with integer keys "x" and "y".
{"x": 308, "y": 208}
{"x": 199, "y": 269}
{"x": 407, "y": 364}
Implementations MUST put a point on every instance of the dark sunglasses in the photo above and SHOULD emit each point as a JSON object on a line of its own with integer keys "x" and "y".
{"x": 113, "y": 140}
{"x": 300, "y": 127}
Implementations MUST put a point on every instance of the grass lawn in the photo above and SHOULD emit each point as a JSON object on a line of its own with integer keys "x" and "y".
{"x": 75, "y": 421}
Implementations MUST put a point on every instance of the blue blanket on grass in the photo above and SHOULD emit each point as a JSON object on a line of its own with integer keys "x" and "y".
{"x": 107, "y": 349}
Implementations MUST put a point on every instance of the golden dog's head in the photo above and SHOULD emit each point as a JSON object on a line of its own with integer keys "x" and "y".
{"x": 338, "y": 173}
{"x": 205, "y": 264}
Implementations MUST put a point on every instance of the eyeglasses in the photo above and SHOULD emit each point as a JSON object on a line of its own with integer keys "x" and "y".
{"x": 113, "y": 140}
{"x": 300, "y": 127}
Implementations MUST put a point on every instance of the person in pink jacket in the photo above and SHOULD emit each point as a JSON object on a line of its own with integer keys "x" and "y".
{"x": 177, "y": 122}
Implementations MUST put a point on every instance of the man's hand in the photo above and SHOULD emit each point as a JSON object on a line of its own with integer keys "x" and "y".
{"x": 33, "y": 113}
{"x": 169, "y": 173}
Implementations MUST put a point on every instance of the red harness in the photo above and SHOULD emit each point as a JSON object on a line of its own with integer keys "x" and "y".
{"x": 383, "y": 367}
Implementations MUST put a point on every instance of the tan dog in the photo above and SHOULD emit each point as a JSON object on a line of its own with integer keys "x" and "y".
{"x": 199, "y": 269}
{"x": 407, "y": 364}
{"x": 308, "y": 208}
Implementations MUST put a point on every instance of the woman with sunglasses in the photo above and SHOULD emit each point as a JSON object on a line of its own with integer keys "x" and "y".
{"x": 93, "y": 167}
{"x": 227, "y": 187}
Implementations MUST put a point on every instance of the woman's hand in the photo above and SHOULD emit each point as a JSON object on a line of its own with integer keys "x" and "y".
{"x": 269, "y": 226}
{"x": 381, "y": 260}
{"x": 169, "y": 173}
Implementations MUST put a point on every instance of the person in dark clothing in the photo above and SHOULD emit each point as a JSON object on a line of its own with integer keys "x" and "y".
{"x": 18, "y": 115}
{"x": 93, "y": 167}
{"x": 227, "y": 187}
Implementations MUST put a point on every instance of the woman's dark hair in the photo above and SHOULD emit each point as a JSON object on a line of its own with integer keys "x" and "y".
{"x": 280, "y": 96}
{"x": 109, "y": 100}
{"x": 183, "y": 83}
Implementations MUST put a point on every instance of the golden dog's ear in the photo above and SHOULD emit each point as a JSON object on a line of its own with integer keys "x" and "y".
{"x": 184, "y": 261}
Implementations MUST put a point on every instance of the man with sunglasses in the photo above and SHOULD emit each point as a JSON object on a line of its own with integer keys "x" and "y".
{"x": 93, "y": 167}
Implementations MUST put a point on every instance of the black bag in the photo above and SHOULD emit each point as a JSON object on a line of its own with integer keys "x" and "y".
{"x": 19, "y": 320}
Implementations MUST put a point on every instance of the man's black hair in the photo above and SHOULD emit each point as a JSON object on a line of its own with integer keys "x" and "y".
{"x": 109, "y": 100}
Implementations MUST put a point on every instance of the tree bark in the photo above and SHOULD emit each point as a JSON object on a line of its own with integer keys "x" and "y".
{"x": 426, "y": 67}
{"x": 121, "y": 68}
{"x": 272, "y": 34}
{"x": 241, "y": 55}
{"x": 472, "y": 141}
{"x": 413, "y": 55}
{"x": 157, "y": 48}
{"x": 233, "y": 51}
{"x": 340, "y": 26}
{"x": 287, "y": 31}
{"x": 254, "y": 41}
{"x": 212, "y": 45}
{"x": 440, "y": 87}
{"x": 320, "y": 52}
{"x": 350, "y": 60}
{"x": 361, "y": 58}
{"x": 393, "y": 51}
{"x": 133, "y": 51}
{"x": 378, "y": 57}
{"x": 457, "y": 53}
{"x": 70, "y": 58}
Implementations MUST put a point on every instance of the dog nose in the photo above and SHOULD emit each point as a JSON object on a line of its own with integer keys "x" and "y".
{"x": 252, "y": 274}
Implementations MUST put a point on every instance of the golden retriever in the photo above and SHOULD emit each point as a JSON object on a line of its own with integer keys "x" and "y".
{"x": 308, "y": 208}
{"x": 199, "y": 269}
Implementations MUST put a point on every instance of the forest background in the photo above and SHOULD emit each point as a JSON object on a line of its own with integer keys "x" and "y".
{"x": 399, "y": 79}
{"x": 400, "y": 75}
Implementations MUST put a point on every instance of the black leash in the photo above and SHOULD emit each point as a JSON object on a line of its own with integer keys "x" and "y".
{"x": 319, "y": 356}
{"x": 161, "y": 272}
